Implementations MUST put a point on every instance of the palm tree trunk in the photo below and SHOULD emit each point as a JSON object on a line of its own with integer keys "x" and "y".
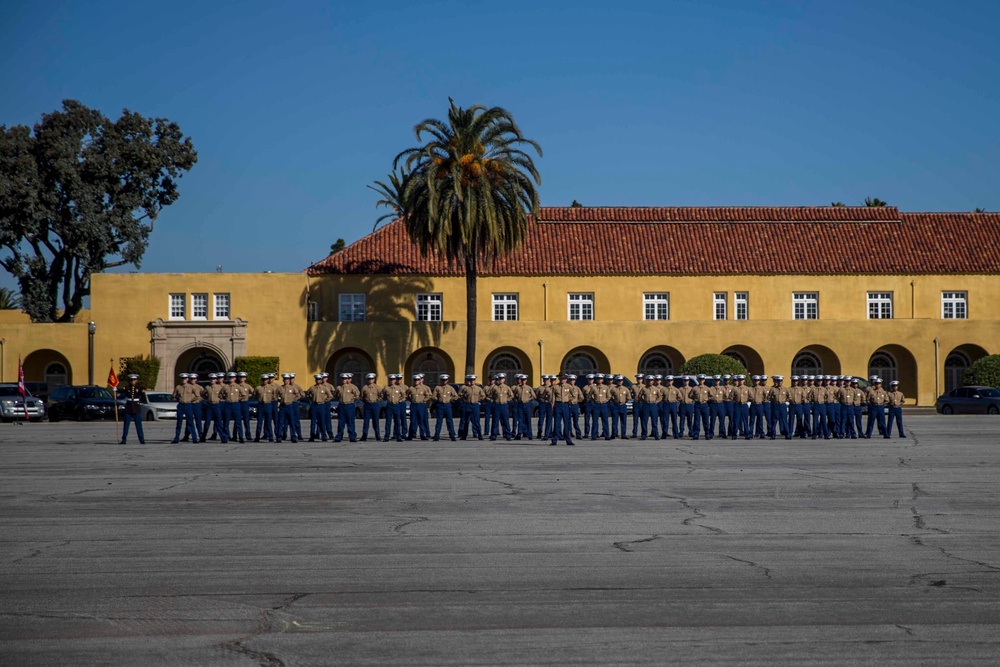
{"x": 471, "y": 309}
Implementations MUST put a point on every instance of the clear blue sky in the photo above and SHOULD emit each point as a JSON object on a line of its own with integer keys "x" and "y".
{"x": 295, "y": 107}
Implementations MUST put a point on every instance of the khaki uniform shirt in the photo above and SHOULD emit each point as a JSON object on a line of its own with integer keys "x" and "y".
{"x": 672, "y": 394}
{"x": 779, "y": 394}
{"x": 319, "y": 394}
{"x": 741, "y": 394}
{"x": 212, "y": 394}
{"x": 588, "y": 392}
{"x": 502, "y": 394}
{"x": 817, "y": 394}
{"x": 758, "y": 395}
{"x": 371, "y": 393}
{"x": 601, "y": 394}
{"x": 797, "y": 395}
{"x": 563, "y": 393}
{"x": 896, "y": 399}
{"x": 651, "y": 395}
{"x": 686, "y": 395}
{"x": 878, "y": 397}
{"x": 289, "y": 393}
{"x": 394, "y": 394}
{"x": 699, "y": 393}
{"x": 246, "y": 391}
{"x": 445, "y": 394}
{"x": 636, "y": 388}
{"x": 347, "y": 393}
{"x": 857, "y": 396}
{"x": 523, "y": 393}
{"x": 620, "y": 394}
{"x": 717, "y": 394}
{"x": 545, "y": 393}
{"x": 265, "y": 393}
{"x": 230, "y": 393}
{"x": 577, "y": 394}
{"x": 472, "y": 393}
{"x": 419, "y": 394}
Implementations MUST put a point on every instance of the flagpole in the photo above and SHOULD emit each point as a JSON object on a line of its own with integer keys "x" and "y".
{"x": 115, "y": 396}
{"x": 21, "y": 389}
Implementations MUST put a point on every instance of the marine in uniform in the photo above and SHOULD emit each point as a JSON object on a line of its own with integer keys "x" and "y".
{"x": 857, "y": 403}
{"x": 267, "y": 395}
{"x": 502, "y": 396}
{"x": 649, "y": 398}
{"x": 780, "y": 398}
{"x": 186, "y": 394}
{"x": 348, "y": 394}
{"x": 895, "y": 402}
{"x": 472, "y": 396}
{"x": 246, "y": 393}
{"x": 372, "y": 403}
{"x": 574, "y": 407}
{"x": 699, "y": 395}
{"x": 741, "y": 407}
{"x": 797, "y": 398}
{"x": 758, "y": 396}
{"x": 600, "y": 410}
{"x": 419, "y": 395}
{"x": 820, "y": 397}
{"x": 133, "y": 395}
{"x": 845, "y": 404}
{"x": 230, "y": 394}
{"x": 687, "y": 404}
{"x": 444, "y": 396}
{"x": 319, "y": 402}
{"x": 716, "y": 408}
{"x": 289, "y": 394}
{"x": 588, "y": 403}
{"x": 877, "y": 398}
{"x": 671, "y": 407}
{"x": 394, "y": 396}
{"x": 524, "y": 397}
{"x": 545, "y": 407}
{"x": 620, "y": 395}
{"x": 728, "y": 407}
{"x": 562, "y": 397}
{"x": 637, "y": 407}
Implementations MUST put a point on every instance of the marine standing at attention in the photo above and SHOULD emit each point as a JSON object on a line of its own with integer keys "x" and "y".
{"x": 133, "y": 395}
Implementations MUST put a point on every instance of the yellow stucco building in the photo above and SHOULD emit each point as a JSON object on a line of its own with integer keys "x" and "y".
{"x": 835, "y": 290}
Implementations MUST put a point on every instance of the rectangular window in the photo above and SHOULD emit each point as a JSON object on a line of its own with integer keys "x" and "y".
{"x": 429, "y": 307}
{"x": 656, "y": 306}
{"x": 581, "y": 306}
{"x": 880, "y": 305}
{"x": 352, "y": 307}
{"x": 742, "y": 301}
{"x": 313, "y": 311}
{"x": 719, "y": 305}
{"x": 954, "y": 305}
{"x": 504, "y": 307}
{"x": 221, "y": 306}
{"x": 177, "y": 310}
{"x": 805, "y": 305}
{"x": 199, "y": 306}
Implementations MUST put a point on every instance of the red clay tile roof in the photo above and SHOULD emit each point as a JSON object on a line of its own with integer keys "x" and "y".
{"x": 705, "y": 241}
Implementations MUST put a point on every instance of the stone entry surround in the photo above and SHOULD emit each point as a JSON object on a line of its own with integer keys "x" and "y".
{"x": 169, "y": 340}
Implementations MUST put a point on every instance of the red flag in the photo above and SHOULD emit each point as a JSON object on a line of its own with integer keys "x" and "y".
{"x": 112, "y": 379}
{"x": 21, "y": 388}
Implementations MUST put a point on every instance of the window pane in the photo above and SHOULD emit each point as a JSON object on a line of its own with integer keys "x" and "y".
{"x": 222, "y": 306}
{"x": 177, "y": 311}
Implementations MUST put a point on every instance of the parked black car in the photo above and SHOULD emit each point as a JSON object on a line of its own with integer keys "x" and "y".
{"x": 969, "y": 400}
{"x": 82, "y": 403}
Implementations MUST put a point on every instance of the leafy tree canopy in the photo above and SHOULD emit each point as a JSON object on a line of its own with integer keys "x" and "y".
{"x": 874, "y": 202}
{"x": 338, "y": 246}
{"x": 9, "y": 300}
{"x": 712, "y": 364}
{"x": 79, "y": 194}
{"x": 984, "y": 372}
{"x": 576, "y": 204}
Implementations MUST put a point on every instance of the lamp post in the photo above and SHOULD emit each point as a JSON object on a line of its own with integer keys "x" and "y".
{"x": 91, "y": 329}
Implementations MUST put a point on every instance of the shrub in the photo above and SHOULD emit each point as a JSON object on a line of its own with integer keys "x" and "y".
{"x": 147, "y": 368}
{"x": 255, "y": 366}
{"x": 712, "y": 364}
{"x": 984, "y": 372}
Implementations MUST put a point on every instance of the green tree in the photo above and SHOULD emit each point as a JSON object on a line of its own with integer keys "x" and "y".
{"x": 874, "y": 202}
{"x": 466, "y": 194}
{"x": 712, "y": 364}
{"x": 837, "y": 203}
{"x": 979, "y": 210}
{"x": 576, "y": 204}
{"x": 9, "y": 300}
{"x": 338, "y": 246}
{"x": 78, "y": 195}
{"x": 984, "y": 372}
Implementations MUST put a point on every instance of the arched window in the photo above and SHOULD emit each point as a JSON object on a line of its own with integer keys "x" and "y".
{"x": 504, "y": 362}
{"x": 206, "y": 363}
{"x": 431, "y": 364}
{"x": 883, "y": 365}
{"x": 807, "y": 363}
{"x": 55, "y": 375}
{"x": 954, "y": 370}
{"x": 579, "y": 363}
{"x": 656, "y": 363}
{"x": 737, "y": 357}
{"x": 352, "y": 362}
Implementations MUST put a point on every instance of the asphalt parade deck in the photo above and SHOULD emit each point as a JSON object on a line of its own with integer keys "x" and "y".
{"x": 480, "y": 553}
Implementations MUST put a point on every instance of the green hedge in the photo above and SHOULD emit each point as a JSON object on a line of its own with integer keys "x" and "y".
{"x": 255, "y": 366}
{"x": 147, "y": 368}
{"x": 712, "y": 364}
{"x": 984, "y": 372}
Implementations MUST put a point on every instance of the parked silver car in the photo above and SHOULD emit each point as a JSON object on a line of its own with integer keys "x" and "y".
{"x": 12, "y": 404}
{"x": 158, "y": 405}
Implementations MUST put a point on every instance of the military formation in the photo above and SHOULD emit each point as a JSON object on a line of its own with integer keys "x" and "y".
{"x": 663, "y": 406}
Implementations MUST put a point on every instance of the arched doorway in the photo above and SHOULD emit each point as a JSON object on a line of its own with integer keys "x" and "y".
{"x": 957, "y": 362}
{"x": 895, "y": 362}
{"x": 200, "y": 360}
{"x": 747, "y": 356}
{"x": 818, "y": 357}
{"x": 660, "y": 361}
{"x": 883, "y": 365}
{"x": 807, "y": 363}
{"x": 507, "y": 360}
{"x": 349, "y": 360}
{"x": 47, "y": 366}
{"x": 430, "y": 361}
{"x": 585, "y": 360}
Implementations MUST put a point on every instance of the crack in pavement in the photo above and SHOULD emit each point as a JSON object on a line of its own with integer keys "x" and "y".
{"x": 908, "y": 631}
{"x": 36, "y": 552}
{"x": 698, "y": 514}
{"x": 916, "y": 491}
{"x": 513, "y": 488}
{"x": 261, "y": 627}
{"x": 766, "y": 570}
{"x": 621, "y": 545}
{"x": 410, "y": 520}
{"x": 920, "y": 524}
{"x": 187, "y": 480}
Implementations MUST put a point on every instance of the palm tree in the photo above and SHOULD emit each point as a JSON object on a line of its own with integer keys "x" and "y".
{"x": 466, "y": 194}
{"x": 392, "y": 195}
{"x": 9, "y": 299}
{"x": 874, "y": 202}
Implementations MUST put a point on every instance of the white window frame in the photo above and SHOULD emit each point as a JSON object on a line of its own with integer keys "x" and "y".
{"x": 805, "y": 300}
{"x": 720, "y": 305}
{"x": 312, "y": 311}
{"x": 430, "y": 307}
{"x": 582, "y": 303}
{"x": 656, "y": 306}
{"x": 199, "y": 303}
{"x": 879, "y": 305}
{"x": 505, "y": 307}
{"x": 177, "y": 302}
{"x": 222, "y": 306}
{"x": 357, "y": 305}
{"x": 741, "y": 306}
{"x": 954, "y": 302}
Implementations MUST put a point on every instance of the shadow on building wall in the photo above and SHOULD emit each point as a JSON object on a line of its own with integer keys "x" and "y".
{"x": 389, "y": 334}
